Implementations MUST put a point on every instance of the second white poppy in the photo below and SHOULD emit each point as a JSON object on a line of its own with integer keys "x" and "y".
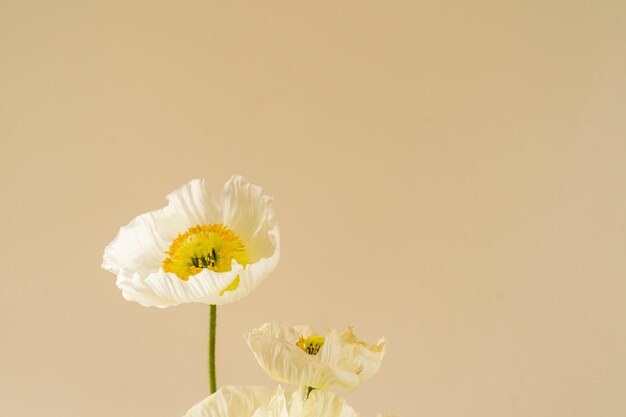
{"x": 299, "y": 355}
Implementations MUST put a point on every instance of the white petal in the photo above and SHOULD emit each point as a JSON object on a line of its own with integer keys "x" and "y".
{"x": 249, "y": 212}
{"x": 232, "y": 401}
{"x": 293, "y": 333}
{"x": 327, "y": 404}
{"x": 298, "y": 398}
{"x": 278, "y": 405}
{"x": 195, "y": 204}
{"x": 164, "y": 289}
{"x": 140, "y": 246}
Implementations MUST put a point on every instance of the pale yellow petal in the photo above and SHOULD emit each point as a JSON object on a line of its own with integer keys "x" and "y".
{"x": 326, "y": 404}
{"x": 353, "y": 360}
{"x": 232, "y": 401}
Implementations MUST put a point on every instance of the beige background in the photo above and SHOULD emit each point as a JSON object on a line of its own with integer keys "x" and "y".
{"x": 448, "y": 174}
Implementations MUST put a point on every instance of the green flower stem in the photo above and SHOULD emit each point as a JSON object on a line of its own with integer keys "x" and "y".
{"x": 308, "y": 391}
{"x": 212, "y": 322}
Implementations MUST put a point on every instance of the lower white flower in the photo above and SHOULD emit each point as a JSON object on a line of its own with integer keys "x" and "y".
{"x": 299, "y": 355}
{"x": 253, "y": 401}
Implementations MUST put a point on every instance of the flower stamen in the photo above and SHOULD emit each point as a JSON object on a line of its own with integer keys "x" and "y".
{"x": 311, "y": 344}
{"x": 206, "y": 246}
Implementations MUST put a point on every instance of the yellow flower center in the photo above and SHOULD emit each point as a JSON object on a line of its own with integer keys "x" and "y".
{"x": 311, "y": 344}
{"x": 210, "y": 246}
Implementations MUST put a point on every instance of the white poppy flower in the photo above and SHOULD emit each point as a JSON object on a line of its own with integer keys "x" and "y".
{"x": 197, "y": 249}
{"x": 299, "y": 355}
{"x": 252, "y": 401}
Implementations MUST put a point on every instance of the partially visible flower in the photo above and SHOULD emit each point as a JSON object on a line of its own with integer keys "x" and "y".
{"x": 252, "y": 401}
{"x": 197, "y": 249}
{"x": 299, "y": 355}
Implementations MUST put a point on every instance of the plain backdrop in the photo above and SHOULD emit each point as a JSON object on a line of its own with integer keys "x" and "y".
{"x": 448, "y": 174}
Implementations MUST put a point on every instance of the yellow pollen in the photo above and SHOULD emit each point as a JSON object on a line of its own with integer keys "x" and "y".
{"x": 311, "y": 344}
{"x": 210, "y": 246}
